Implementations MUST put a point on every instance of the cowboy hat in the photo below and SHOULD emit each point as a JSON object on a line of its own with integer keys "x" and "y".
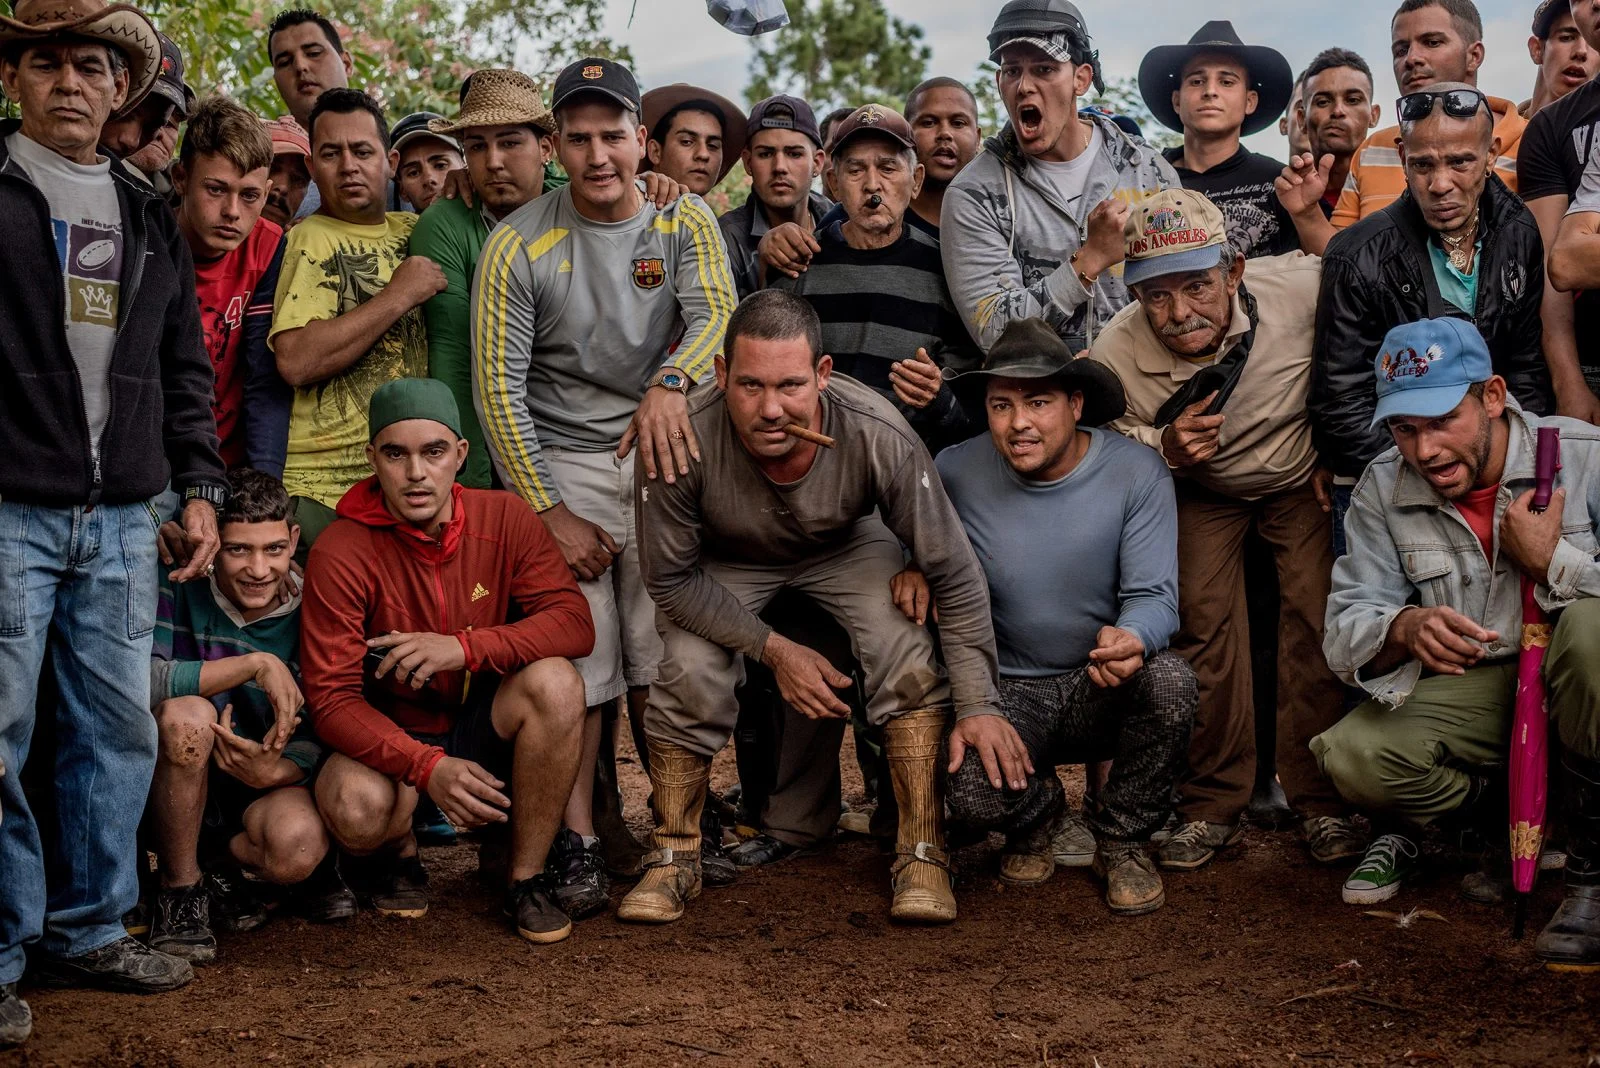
{"x": 120, "y": 26}
{"x": 498, "y": 98}
{"x": 659, "y": 103}
{"x": 1270, "y": 77}
{"x": 1030, "y": 348}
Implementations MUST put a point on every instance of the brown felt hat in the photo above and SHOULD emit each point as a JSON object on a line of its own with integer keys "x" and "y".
{"x": 498, "y": 98}
{"x": 1030, "y": 348}
{"x": 121, "y": 26}
{"x": 657, "y": 104}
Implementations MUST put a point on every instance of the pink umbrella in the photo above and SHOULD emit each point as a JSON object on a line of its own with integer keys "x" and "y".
{"x": 1530, "y": 731}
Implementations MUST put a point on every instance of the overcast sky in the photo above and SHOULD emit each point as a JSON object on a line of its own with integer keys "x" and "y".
{"x": 676, "y": 41}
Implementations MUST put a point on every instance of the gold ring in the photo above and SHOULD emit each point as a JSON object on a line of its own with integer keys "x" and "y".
{"x": 677, "y": 435}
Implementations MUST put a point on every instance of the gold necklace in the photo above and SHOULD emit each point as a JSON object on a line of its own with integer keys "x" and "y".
{"x": 1461, "y": 248}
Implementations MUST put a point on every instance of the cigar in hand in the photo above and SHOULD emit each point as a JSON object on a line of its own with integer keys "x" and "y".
{"x": 795, "y": 430}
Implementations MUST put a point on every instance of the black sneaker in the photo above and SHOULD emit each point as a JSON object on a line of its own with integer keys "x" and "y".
{"x": 325, "y": 897}
{"x": 762, "y": 849}
{"x": 236, "y": 907}
{"x": 182, "y": 924}
{"x": 400, "y": 888}
{"x": 16, "y": 1019}
{"x": 716, "y": 866}
{"x": 579, "y": 872}
{"x": 136, "y": 921}
{"x": 126, "y": 965}
{"x": 531, "y": 907}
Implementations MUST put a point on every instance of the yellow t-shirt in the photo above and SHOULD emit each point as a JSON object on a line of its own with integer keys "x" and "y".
{"x": 329, "y": 268}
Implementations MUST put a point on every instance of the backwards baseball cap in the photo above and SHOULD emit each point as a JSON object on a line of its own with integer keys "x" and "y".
{"x": 412, "y": 398}
{"x": 418, "y": 125}
{"x": 1173, "y": 232}
{"x": 1425, "y": 367}
{"x": 783, "y": 112}
{"x": 169, "y": 78}
{"x": 288, "y": 138}
{"x": 1055, "y": 27}
{"x": 872, "y": 119}
{"x": 594, "y": 75}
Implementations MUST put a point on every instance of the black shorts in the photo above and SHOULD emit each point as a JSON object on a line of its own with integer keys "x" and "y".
{"x": 472, "y": 735}
{"x": 226, "y": 800}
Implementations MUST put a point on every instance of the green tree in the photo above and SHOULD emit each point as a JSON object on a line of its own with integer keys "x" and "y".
{"x": 835, "y": 53}
{"x": 1122, "y": 97}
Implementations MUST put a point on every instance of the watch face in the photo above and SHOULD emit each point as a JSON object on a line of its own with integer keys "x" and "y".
{"x": 672, "y": 381}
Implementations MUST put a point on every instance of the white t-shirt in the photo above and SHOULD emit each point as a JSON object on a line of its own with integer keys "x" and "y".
{"x": 1071, "y": 177}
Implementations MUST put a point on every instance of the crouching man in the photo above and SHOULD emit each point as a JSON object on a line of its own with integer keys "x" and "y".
{"x": 1077, "y": 530}
{"x": 765, "y": 511}
{"x": 239, "y": 780}
{"x": 1426, "y": 617}
{"x": 440, "y": 628}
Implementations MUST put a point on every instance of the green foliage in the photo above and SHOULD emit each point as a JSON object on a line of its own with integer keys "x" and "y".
{"x": 1122, "y": 97}
{"x": 835, "y": 53}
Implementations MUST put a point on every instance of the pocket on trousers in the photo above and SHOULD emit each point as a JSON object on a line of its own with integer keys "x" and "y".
{"x": 13, "y": 569}
{"x": 137, "y": 534}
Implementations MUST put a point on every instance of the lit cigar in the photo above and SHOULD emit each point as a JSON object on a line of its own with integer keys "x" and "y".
{"x": 795, "y": 430}
{"x": 874, "y": 201}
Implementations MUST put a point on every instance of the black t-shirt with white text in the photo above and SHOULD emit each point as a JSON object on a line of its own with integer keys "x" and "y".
{"x": 1241, "y": 186}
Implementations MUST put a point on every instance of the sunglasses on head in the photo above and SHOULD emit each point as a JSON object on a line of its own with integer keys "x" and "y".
{"x": 1458, "y": 103}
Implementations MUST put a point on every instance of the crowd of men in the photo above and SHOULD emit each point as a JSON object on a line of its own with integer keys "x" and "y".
{"x": 367, "y": 478}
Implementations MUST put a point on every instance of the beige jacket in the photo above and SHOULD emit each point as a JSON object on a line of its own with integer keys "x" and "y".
{"x": 1265, "y": 444}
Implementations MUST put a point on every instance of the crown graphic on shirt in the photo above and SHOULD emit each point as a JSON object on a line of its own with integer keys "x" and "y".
{"x": 99, "y": 302}
{"x": 479, "y": 593}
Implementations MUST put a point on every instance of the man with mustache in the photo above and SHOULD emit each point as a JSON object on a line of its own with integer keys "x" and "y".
{"x": 1215, "y": 359}
{"x": 1564, "y": 58}
{"x": 1032, "y": 227}
{"x": 290, "y": 174}
{"x": 1426, "y": 613}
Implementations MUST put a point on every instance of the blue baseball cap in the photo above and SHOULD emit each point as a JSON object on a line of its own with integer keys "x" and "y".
{"x": 1425, "y": 367}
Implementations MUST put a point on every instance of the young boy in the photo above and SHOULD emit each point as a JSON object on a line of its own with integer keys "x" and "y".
{"x": 222, "y": 175}
{"x": 236, "y": 757}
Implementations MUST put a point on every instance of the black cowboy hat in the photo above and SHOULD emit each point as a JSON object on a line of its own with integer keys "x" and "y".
{"x": 1269, "y": 72}
{"x": 1030, "y": 348}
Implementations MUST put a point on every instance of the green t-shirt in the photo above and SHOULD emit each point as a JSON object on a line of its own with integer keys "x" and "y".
{"x": 1459, "y": 289}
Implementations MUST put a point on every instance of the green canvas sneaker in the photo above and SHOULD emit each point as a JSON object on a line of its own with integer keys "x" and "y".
{"x": 1391, "y": 859}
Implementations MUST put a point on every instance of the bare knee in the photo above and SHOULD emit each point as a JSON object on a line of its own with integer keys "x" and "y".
{"x": 295, "y": 845}
{"x": 359, "y": 805}
{"x": 549, "y": 690}
{"x": 184, "y": 726}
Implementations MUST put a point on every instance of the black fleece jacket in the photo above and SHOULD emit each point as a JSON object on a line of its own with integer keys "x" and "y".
{"x": 160, "y": 425}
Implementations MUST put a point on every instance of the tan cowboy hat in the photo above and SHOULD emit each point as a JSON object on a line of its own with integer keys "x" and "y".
{"x": 121, "y": 26}
{"x": 498, "y": 98}
{"x": 657, "y": 103}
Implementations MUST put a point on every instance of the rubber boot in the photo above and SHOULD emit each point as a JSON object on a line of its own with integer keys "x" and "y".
{"x": 922, "y": 894}
{"x": 1570, "y": 942}
{"x": 672, "y": 872}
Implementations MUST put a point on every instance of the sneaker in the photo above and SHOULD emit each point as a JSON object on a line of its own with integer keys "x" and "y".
{"x": 1027, "y": 859}
{"x": 136, "y": 921}
{"x": 1331, "y": 839}
{"x": 400, "y": 888}
{"x": 1133, "y": 886}
{"x": 1072, "y": 841}
{"x": 430, "y": 825}
{"x": 16, "y": 1019}
{"x": 579, "y": 874}
{"x": 531, "y": 907}
{"x": 762, "y": 849}
{"x": 235, "y": 905}
{"x": 1391, "y": 859}
{"x": 126, "y": 965}
{"x": 1193, "y": 845}
{"x": 857, "y": 820}
{"x": 325, "y": 897}
{"x": 182, "y": 926}
{"x": 1166, "y": 830}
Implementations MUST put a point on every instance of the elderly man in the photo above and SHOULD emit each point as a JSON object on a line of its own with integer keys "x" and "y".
{"x": 1457, "y": 242}
{"x": 696, "y": 136}
{"x": 1426, "y": 614}
{"x": 712, "y": 560}
{"x": 291, "y": 171}
{"x": 89, "y": 453}
{"x": 1049, "y": 502}
{"x": 1216, "y": 361}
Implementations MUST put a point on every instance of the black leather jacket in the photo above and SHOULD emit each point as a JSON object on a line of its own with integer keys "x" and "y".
{"x": 1376, "y": 275}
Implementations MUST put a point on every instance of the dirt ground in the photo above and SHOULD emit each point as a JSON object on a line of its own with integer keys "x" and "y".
{"x": 1253, "y": 960}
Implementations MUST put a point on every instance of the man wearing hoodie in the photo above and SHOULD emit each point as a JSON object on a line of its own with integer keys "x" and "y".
{"x": 439, "y": 628}
{"x": 1032, "y": 227}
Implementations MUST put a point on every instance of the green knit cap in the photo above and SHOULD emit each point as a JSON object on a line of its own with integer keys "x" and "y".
{"x": 412, "y": 398}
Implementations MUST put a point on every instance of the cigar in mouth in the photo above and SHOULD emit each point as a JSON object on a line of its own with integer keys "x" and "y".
{"x": 874, "y": 201}
{"x": 795, "y": 430}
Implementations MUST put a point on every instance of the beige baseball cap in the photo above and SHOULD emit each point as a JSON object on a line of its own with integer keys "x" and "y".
{"x": 1173, "y": 232}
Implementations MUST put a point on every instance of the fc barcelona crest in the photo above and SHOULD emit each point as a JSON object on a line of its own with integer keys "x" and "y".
{"x": 649, "y": 274}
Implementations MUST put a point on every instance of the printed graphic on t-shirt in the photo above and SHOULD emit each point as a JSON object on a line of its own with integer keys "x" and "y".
{"x": 91, "y": 259}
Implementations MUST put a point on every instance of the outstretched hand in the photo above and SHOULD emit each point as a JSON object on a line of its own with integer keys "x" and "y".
{"x": 998, "y": 745}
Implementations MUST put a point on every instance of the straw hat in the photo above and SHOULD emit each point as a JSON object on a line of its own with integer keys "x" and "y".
{"x": 498, "y": 98}
{"x": 121, "y": 26}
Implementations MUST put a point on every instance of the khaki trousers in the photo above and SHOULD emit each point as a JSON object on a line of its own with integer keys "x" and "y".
{"x": 1214, "y": 637}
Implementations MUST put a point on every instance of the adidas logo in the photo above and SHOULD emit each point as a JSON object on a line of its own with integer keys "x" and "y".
{"x": 565, "y": 268}
{"x": 479, "y": 593}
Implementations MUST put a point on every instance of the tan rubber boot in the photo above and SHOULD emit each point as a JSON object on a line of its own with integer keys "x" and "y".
{"x": 672, "y": 872}
{"x": 921, "y": 869}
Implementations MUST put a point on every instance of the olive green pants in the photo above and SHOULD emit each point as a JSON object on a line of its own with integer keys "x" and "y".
{"x": 1413, "y": 761}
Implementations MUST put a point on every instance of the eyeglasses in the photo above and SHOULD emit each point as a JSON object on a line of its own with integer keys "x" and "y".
{"x": 1458, "y": 104}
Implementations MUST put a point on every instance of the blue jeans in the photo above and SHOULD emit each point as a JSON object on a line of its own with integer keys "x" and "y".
{"x": 80, "y": 585}
{"x": 1341, "y": 505}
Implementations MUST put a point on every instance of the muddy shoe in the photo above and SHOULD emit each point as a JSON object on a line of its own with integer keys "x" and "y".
{"x": 126, "y": 965}
{"x": 16, "y": 1019}
{"x": 670, "y": 882}
{"x": 235, "y": 905}
{"x": 400, "y": 888}
{"x": 136, "y": 921}
{"x": 325, "y": 897}
{"x": 1330, "y": 839}
{"x": 1072, "y": 842}
{"x": 182, "y": 925}
{"x": 532, "y": 909}
{"x": 1028, "y": 860}
{"x": 1133, "y": 886}
{"x": 1391, "y": 859}
{"x": 760, "y": 850}
{"x": 579, "y": 873}
{"x": 1193, "y": 845}
{"x": 1570, "y": 942}
{"x": 922, "y": 892}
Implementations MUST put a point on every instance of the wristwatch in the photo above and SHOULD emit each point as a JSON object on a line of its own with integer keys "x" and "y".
{"x": 673, "y": 379}
{"x": 217, "y": 496}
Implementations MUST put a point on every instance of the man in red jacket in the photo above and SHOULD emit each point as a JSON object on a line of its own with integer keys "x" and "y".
{"x": 438, "y": 632}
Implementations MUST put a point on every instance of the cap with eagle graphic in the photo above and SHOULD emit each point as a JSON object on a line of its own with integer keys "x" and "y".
{"x": 1425, "y": 368}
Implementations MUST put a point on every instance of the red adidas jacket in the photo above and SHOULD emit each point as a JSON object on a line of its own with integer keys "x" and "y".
{"x": 495, "y": 580}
